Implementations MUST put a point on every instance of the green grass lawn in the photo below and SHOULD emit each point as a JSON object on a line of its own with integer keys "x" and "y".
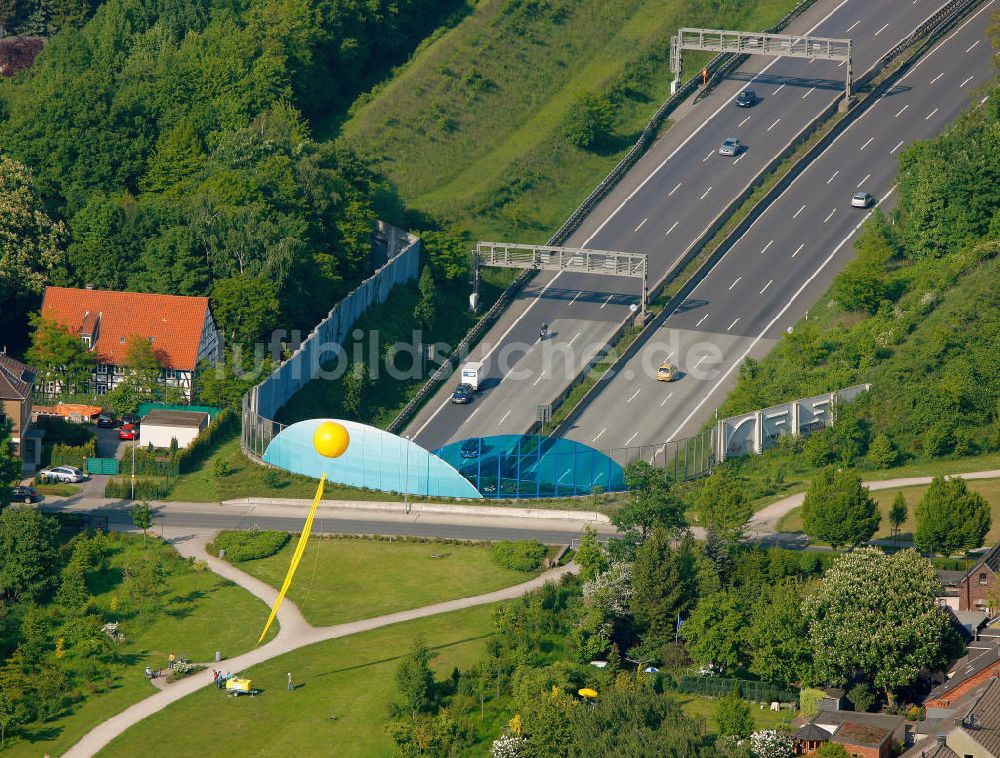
{"x": 470, "y": 129}
{"x": 199, "y": 613}
{"x": 988, "y": 488}
{"x": 59, "y": 490}
{"x": 342, "y": 580}
{"x": 706, "y": 708}
{"x": 344, "y": 688}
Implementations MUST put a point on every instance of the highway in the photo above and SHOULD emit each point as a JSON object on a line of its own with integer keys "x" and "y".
{"x": 660, "y": 208}
{"x": 788, "y": 258}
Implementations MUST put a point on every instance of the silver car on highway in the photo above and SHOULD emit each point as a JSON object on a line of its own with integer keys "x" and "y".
{"x": 730, "y": 146}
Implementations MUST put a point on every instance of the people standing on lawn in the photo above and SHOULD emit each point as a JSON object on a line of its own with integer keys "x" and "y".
{"x": 170, "y": 661}
{"x": 290, "y": 688}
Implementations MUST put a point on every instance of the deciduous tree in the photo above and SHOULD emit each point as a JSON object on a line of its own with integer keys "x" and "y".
{"x": 415, "y": 678}
{"x": 950, "y": 517}
{"x": 28, "y": 553}
{"x": 651, "y": 503}
{"x": 664, "y": 586}
{"x": 59, "y": 355}
{"x": 838, "y": 509}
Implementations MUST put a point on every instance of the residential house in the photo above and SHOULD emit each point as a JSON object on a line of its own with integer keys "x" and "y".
{"x": 180, "y": 330}
{"x": 973, "y": 733}
{"x": 979, "y": 591}
{"x": 968, "y": 674}
{"x": 865, "y": 735}
{"x": 16, "y": 381}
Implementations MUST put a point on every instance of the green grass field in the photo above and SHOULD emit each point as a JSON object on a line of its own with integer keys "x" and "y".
{"x": 988, "y": 488}
{"x": 199, "y": 614}
{"x": 339, "y": 707}
{"x": 344, "y": 580}
{"x": 706, "y": 708}
{"x": 470, "y": 129}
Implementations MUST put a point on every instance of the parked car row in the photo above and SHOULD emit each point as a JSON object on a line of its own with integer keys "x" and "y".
{"x": 107, "y": 420}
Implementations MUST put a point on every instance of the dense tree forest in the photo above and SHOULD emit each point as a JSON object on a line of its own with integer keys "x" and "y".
{"x": 166, "y": 147}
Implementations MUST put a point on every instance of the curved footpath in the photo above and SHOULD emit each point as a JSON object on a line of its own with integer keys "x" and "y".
{"x": 295, "y": 632}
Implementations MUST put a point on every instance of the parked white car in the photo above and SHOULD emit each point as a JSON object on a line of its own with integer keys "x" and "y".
{"x": 62, "y": 474}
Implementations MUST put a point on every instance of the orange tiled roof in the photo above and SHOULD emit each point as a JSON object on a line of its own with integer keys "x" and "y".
{"x": 173, "y": 321}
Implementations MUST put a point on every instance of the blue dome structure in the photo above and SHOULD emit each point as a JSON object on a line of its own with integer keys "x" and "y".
{"x": 375, "y": 459}
{"x": 532, "y": 466}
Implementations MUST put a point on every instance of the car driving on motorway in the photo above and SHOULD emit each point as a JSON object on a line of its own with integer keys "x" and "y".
{"x": 746, "y": 99}
{"x": 862, "y": 200}
{"x": 462, "y": 394}
{"x": 730, "y": 146}
{"x": 62, "y": 474}
{"x": 667, "y": 372}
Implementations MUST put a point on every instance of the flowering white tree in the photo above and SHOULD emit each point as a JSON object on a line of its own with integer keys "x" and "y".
{"x": 771, "y": 743}
{"x": 507, "y": 746}
{"x": 610, "y": 590}
{"x": 877, "y": 614}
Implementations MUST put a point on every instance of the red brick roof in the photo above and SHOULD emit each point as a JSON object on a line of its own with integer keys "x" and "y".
{"x": 173, "y": 321}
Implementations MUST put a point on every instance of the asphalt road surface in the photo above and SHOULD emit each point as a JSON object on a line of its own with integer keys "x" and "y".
{"x": 788, "y": 258}
{"x": 660, "y": 208}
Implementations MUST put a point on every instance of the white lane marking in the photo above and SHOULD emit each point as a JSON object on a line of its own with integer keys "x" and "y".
{"x": 779, "y": 89}
{"x": 867, "y": 177}
{"x": 810, "y": 89}
{"x": 896, "y": 147}
{"x": 641, "y": 224}
{"x": 833, "y": 176}
{"x": 765, "y": 330}
{"x": 900, "y": 111}
{"x": 579, "y": 292}
{"x": 701, "y": 320}
{"x": 853, "y": 25}
{"x": 739, "y": 159}
{"x": 669, "y": 355}
{"x": 538, "y": 379}
{"x": 937, "y": 77}
{"x": 631, "y": 438}
{"x": 673, "y": 227}
{"x": 773, "y": 125}
{"x": 706, "y": 194}
{"x": 606, "y": 302}
{"x": 870, "y": 139}
{"x": 742, "y": 122}
{"x": 574, "y": 338}
{"x": 830, "y": 216}
{"x": 701, "y": 126}
{"x": 766, "y": 247}
{"x": 708, "y": 156}
{"x": 966, "y": 82}
{"x": 674, "y": 189}
{"x": 984, "y": 99}
{"x": 927, "y": 117}
{"x": 600, "y": 434}
{"x": 701, "y": 360}
{"x": 881, "y": 30}
{"x": 504, "y": 418}
{"x": 634, "y": 395}
{"x": 469, "y": 417}
{"x": 766, "y": 286}
{"x": 969, "y": 49}
{"x": 798, "y": 212}
{"x": 798, "y": 249}
{"x": 730, "y": 327}
{"x": 735, "y": 283}
{"x": 666, "y": 399}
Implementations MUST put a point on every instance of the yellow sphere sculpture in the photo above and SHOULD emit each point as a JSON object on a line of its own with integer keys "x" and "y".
{"x": 331, "y": 439}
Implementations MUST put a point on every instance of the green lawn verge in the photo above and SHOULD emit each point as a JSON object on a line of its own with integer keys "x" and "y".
{"x": 348, "y": 579}
{"x": 706, "y": 707}
{"x": 59, "y": 490}
{"x": 470, "y": 129}
{"x": 344, "y": 688}
{"x": 198, "y": 613}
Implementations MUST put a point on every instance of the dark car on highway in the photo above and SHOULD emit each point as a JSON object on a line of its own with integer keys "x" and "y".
{"x": 462, "y": 394}
{"x": 26, "y": 495}
{"x": 106, "y": 421}
{"x": 746, "y": 99}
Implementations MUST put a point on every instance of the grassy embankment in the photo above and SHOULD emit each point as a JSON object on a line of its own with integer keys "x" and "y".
{"x": 470, "y": 129}
{"x": 196, "y": 614}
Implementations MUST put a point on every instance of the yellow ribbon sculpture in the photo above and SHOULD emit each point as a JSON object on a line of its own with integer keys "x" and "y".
{"x": 330, "y": 440}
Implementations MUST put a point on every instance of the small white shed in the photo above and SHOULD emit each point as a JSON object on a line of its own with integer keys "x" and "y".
{"x": 159, "y": 427}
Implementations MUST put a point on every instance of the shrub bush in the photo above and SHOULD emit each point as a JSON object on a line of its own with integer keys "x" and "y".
{"x": 222, "y": 425}
{"x": 523, "y": 555}
{"x": 220, "y": 467}
{"x": 146, "y": 488}
{"x": 248, "y": 545}
{"x": 73, "y": 455}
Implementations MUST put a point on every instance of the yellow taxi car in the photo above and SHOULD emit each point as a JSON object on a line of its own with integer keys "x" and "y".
{"x": 667, "y": 372}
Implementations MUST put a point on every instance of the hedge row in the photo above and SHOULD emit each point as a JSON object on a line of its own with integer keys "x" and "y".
{"x": 145, "y": 488}
{"x": 523, "y": 555}
{"x": 189, "y": 458}
{"x": 73, "y": 455}
{"x": 248, "y": 545}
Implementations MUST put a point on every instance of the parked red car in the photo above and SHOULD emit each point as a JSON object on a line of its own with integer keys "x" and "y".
{"x": 128, "y": 432}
